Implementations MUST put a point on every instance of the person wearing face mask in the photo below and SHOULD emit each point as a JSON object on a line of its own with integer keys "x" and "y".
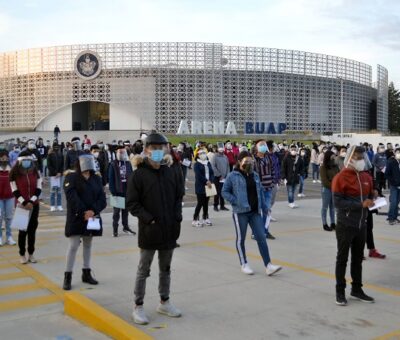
{"x": 118, "y": 174}
{"x": 73, "y": 153}
{"x": 392, "y": 174}
{"x": 328, "y": 171}
{"x": 100, "y": 165}
{"x": 339, "y": 160}
{"x": 230, "y": 154}
{"x": 185, "y": 159}
{"x": 154, "y": 196}
{"x": 352, "y": 195}
{"x": 85, "y": 200}
{"x": 292, "y": 168}
{"x": 26, "y": 186}
{"x": 243, "y": 189}
{"x": 204, "y": 176}
{"x": 43, "y": 150}
{"x": 6, "y": 199}
{"x": 265, "y": 170}
{"x": 220, "y": 166}
{"x": 55, "y": 164}
{"x": 31, "y": 148}
{"x": 315, "y": 163}
{"x": 303, "y": 174}
{"x": 379, "y": 163}
{"x": 14, "y": 154}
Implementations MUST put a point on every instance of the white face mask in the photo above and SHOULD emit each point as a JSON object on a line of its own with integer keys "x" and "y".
{"x": 221, "y": 150}
{"x": 343, "y": 154}
{"x": 397, "y": 155}
{"x": 95, "y": 154}
{"x": 303, "y": 154}
{"x": 122, "y": 156}
{"x": 203, "y": 156}
{"x": 293, "y": 152}
{"x": 359, "y": 165}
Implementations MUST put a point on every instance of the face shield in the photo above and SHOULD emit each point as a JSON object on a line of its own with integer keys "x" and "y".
{"x": 86, "y": 162}
{"x": 350, "y": 154}
{"x": 76, "y": 145}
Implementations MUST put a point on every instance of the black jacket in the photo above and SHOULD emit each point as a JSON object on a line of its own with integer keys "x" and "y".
{"x": 70, "y": 159}
{"x": 154, "y": 196}
{"x": 393, "y": 172}
{"x": 83, "y": 195}
{"x": 292, "y": 169}
{"x": 55, "y": 163}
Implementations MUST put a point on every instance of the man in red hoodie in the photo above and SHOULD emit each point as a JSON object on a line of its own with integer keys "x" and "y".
{"x": 352, "y": 192}
{"x": 6, "y": 198}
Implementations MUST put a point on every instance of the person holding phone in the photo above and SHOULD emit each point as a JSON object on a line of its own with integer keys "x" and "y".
{"x": 85, "y": 200}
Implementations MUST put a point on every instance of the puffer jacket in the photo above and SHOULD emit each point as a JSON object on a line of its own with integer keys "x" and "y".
{"x": 235, "y": 192}
{"x": 350, "y": 188}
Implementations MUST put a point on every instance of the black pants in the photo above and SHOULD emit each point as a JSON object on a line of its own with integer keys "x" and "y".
{"x": 370, "y": 234}
{"x": 30, "y": 233}
{"x": 354, "y": 239}
{"x": 380, "y": 181}
{"x": 124, "y": 213}
{"x": 202, "y": 202}
{"x": 218, "y": 199}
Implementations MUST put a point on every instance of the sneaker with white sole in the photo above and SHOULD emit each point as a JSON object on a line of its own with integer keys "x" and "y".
{"x": 23, "y": 260}
{"x": 273, "y": 219}
{"x": 167, "y": 308}
{"x": 1, "y": 241}
{"x": 139, "y": 315}
{"x": 11, "y": 242}
{"x": 32, "y": 259}
{"x": 60, "y": 208}
{"x": 314, "y": 181}
{"x": 271, "y": 269}
{"x": 52, "y": 208}
{"x": 246, "y": 269}
{"x": 197, "y": 223}
{"x": 207, "y": 222}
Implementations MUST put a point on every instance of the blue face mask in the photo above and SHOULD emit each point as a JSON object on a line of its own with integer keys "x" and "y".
{"x": 157, "y": 155}
{"x": 262, "y": 148}
{"x": 26, "y": 163}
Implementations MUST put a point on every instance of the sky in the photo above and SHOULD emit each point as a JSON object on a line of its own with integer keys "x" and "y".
{"x": 364, "y": 30}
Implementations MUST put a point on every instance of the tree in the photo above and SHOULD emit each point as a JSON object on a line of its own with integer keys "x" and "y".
{"x": 394, "y": 109}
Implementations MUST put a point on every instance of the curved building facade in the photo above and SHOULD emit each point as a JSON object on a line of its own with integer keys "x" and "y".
{"x": 134, "y": 86}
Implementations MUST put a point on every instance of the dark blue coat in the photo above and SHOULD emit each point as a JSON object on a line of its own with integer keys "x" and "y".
{"x": 392, "y": 172}
{"x": 117, "y": 188}
{"x": 200, "y": 177}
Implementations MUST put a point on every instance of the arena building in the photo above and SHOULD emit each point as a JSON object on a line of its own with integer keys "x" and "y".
{"x": 140, "y": 86}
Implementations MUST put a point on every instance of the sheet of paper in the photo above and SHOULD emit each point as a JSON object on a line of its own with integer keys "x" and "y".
{"x": 222, "y": 180}
{"x": 186, "y": 162}
{"x": 117, "y": 202}
{"x": 211, "y": 191}
{"x": 378, "y": 203}
{"x": 93, "y": 224}
{"x": 21, "y": 218}
{"x": 55, "y": 182}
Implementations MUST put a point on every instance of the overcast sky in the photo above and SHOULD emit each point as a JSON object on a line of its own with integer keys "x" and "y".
{"x": 364, "y": 30}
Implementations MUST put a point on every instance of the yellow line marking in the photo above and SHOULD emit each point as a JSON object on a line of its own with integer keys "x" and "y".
{"x": 19, "y": 288}
{"x": 28, "y": 302}
{"x": 12, "y": 276}
{"x": 387, "y": 239}
{"x": 392, "y": 335}
{"x": 313, "y": 271}
{"x": 90, "y": 313}
{"x": 6, "y": 265}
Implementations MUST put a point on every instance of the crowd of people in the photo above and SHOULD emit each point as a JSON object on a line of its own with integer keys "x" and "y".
{"x": 148, "y": 179}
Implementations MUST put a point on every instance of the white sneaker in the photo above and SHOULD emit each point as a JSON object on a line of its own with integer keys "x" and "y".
{"x": 1, "y": 241}
{"x": 319, "y": 181}
{"x": 139, "y": 315}
{"x": 23, "y": 260}
{"x": 293, "y": 205}
{"x": 246, "y": 269}
{"x": 60, "y": 208}
{"x": 272, "y": 269}
{"x": 194, "y": 223}
{"x": 53, "y": 208}
{"x": 207, "y": 222}
{"x": 199, "y": 224}
{"x": 167, "y": 308}
{"x": 314, "y": 181}
{"x": 298, "y": 195}
{"x": 11, "y": 242}
{"x": 273, "y": 219}
{"x": 32, "y": 259}
{"x": 183, "y": 204}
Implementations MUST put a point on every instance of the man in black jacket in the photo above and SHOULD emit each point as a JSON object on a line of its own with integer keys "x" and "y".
{"x": 393, "y": 176}
{"x": 292, "y": 169}
{"x": 55, "y": 164}
{"x": 154, "y": 195}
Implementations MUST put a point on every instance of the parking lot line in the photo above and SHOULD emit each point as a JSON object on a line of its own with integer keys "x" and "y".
{"x": 29, "y": 302}
{"x": 14, "y": 289}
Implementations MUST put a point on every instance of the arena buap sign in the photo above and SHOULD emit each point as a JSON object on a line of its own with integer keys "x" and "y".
{"x": 218, "y": 128}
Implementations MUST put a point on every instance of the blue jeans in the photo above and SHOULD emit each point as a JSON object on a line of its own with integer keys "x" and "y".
{"x": 301, "y": 187}
{"x": 55, "y": 192}
{"x": 268, "y": 203}
{"x": 291, "y": 189}
{"x": 327, "y": 202}
{"x": 255, "y": 221}
{"x": 315, "y": 171}
{"x": 7, "y": 210}
{"x": 394, "y": 200}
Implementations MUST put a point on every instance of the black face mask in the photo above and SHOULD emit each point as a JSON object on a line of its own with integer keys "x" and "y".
{"x": 3, "y": 163}
{"x": 248, "y": 168}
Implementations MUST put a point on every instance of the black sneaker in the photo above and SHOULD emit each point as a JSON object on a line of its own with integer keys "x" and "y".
{"x": 360, "y": 295}
{"x": 270, "y": 236}
{"x": 115, "y": 234}
{"x": 333, "y": 226}
{"x": 128, "y": 230}
{"x": 326, "y": 227}
{"x": 341, "y": 299}
{"x": 216, "y": 209}
{"x": 224, "y": 209}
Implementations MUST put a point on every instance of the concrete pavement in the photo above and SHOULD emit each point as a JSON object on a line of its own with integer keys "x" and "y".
{"x": 218, "y": 301}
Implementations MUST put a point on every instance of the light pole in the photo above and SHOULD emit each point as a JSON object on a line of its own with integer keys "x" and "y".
{"x": 341, "y": 106}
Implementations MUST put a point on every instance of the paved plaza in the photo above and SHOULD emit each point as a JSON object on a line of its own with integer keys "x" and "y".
{"x": 217, "y": 300}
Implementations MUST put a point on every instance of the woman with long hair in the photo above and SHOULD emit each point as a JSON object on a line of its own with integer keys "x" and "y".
{"x": 26, "y": 185}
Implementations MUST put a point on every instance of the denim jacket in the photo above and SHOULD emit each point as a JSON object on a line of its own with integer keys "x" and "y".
{"x": 235, "y": 192}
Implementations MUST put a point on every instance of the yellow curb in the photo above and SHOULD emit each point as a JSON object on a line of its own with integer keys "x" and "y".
{"x": 91, "y": 314}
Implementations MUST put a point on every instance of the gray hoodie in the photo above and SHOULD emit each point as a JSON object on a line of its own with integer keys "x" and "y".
{"x": 220, "y": 165}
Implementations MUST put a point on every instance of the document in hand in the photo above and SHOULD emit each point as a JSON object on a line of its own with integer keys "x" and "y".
{"x": 21, "y": 218}
{"x": 117, "y": 202}
{"x": 211, "y": 191}
{"x": 378, "y": 203}
{"x": 93, "y": 223}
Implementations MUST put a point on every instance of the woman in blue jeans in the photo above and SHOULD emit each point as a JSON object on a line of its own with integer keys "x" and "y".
{"x": 328, "y": 170}
{"x": 242, "y": 188}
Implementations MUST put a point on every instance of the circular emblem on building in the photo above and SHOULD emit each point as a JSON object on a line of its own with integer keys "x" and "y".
{"x": 87, "y": 65}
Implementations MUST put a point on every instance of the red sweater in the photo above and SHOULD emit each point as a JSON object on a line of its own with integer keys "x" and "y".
{"x": 5, "y": 188}
{"x": 27, "y": 188}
